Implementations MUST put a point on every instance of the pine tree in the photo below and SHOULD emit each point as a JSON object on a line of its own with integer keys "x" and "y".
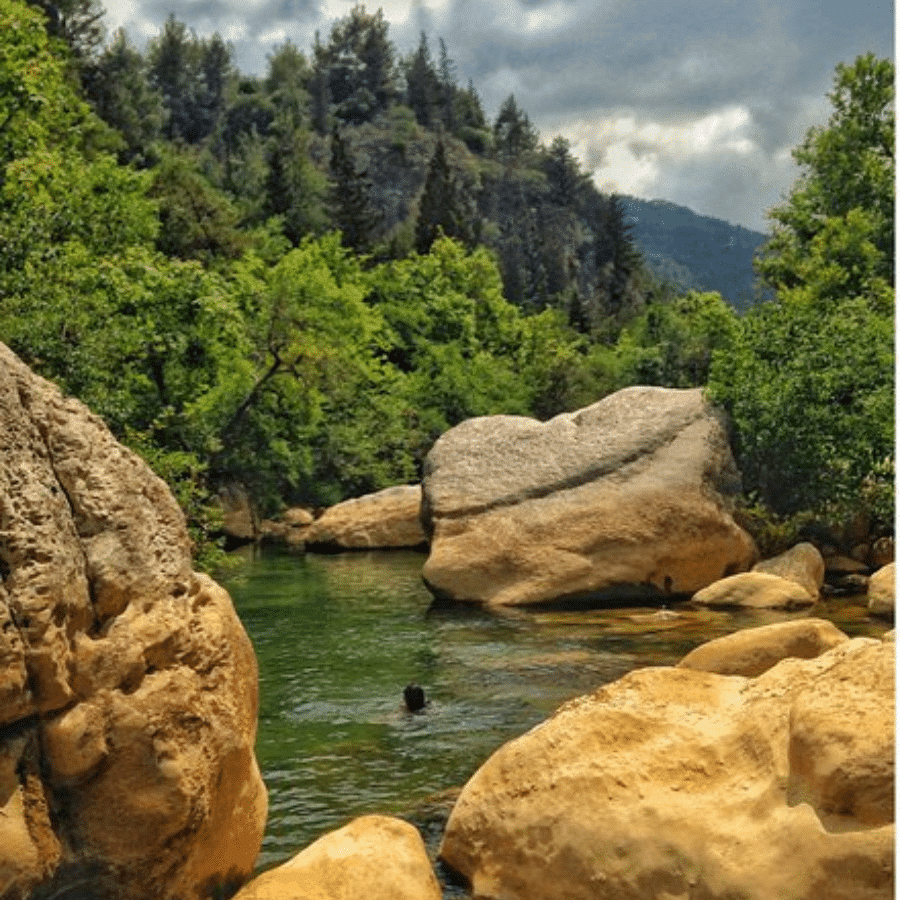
{"x": 513, "y": 132}
{"x": 121, "y": 95}
{"x": 355, "y": 70}
{"x": 441, "y": 206}
{"x": 618, "y": 260}
{"x": 422, "y": 86}
{"x": 352, "y": 212}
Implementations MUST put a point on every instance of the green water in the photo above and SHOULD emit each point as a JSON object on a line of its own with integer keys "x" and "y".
{"x": 338, "y": 638}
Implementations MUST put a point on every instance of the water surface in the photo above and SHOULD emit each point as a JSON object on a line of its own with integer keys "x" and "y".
{"x": 338, "y": 637}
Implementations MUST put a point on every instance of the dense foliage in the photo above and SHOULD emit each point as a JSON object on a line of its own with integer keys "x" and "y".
{"x": 810, "y": 379}
{"x": 296, "y": 283}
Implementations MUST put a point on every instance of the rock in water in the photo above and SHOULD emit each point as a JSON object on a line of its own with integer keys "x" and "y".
{"x": 390, "y": 518}
{"x": 633, "y": 492}
{"x": 677, "y": 783}
{"x": 372, "y": 857}
{"x": 129, "y": 687}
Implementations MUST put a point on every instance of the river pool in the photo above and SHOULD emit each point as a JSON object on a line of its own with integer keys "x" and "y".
{"x": 338, "y": 637}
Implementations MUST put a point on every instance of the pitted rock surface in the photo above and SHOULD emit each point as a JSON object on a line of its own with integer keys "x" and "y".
{"x": 129, "y": 687}
{"x": 678, "y": 783}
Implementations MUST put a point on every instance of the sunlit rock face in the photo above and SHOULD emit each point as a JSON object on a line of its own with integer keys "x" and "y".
{"x": 390, "y": 518}
{"x": 632, "y": 494}
{"x": 129, "y": 687}
{"x": 679, "y": 783}
{"x": 372, "y": 857}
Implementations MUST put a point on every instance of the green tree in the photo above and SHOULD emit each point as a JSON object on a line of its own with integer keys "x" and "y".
{"x": 809, "y": 382}
{"x": 192, "y": 76}
{"x": 312, "y": 345}
{"x": 197, "y": 220}
{"x": 118, "y": 86}
{"x": 39, "y": 107}
{"x": 354, "y": 74}
{"x": 423, "y": 86}
{"x": 514, "y": 134}
{"x": 352, "y": 211}
{"x": 77, "y": 22}
{"x": 442, "y": 206}
{"x": 847, "y": 167}
{"x": 450, "y": 330}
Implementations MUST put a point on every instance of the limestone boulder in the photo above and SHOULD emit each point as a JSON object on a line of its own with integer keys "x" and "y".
{"x": 752, "y": 651}
{"x": 238, "y": 516}
{"x": 676, "y": 783}
{"x": 631, "y": 494}
{"x": 802, "y": 563}
{"x": 754, "y": 590}
{"x": 129, "y": 687}
{"x": 376, "y": 857}
{"x": 387, "y": 519}
{"x": 882, "y": 592}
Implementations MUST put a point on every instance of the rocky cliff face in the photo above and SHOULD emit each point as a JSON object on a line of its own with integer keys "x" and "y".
{"x": 631, "y": 493}
{"x": 128, "y": 685}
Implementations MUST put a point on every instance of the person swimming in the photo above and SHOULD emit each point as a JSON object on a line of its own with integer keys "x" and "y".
{"x": 414, "y": 698}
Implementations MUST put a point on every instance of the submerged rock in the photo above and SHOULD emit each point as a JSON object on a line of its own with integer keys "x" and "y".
{"x": 677, "y": 783}
{"x": 753, "y": 651}
{"x": 632, "y": 494}
{"x": 129, "y": 687}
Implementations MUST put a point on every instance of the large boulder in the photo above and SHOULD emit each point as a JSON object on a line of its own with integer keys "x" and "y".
{"x": 384, "y": 520}
{"x": 677, "y": 783}
{"x": 375, "y": 857}
{"x": 129, "y": 687}
{"x": 629, "y": 495}
{"x": 753, "y": 651}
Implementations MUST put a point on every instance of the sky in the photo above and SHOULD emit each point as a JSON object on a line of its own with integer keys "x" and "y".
{"x": 698, "y": 102}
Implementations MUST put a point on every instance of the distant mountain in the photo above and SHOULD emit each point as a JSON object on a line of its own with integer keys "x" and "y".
{"x": 694, "y": 251}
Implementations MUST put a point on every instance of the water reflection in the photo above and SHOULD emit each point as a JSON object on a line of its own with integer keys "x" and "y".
{"x": 338, "y": 638}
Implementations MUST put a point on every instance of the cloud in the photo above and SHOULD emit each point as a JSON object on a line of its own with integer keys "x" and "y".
{"x": 694, "y": 101}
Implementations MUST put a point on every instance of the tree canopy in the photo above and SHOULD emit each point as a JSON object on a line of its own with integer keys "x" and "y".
{"x": 297, "y": 282}
{"x": 810, "y": 378}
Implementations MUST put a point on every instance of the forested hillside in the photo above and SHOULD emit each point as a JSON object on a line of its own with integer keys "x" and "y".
{"x": 693, "y": 251}
{"x": 298, "y": 281}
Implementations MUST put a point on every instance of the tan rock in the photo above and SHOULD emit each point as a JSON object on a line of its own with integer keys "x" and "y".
{"x": 881, "y": 552}
{"x": 842, "y": 768}
{"x": 238, "y": 516}
{"x": 754, "y": 590}
{"x": 632, "y": 493}
{"x": 374, "y": 857}
{"x": 802, "y": 563}
{"x": 752, "y": 651}
{"x": 131, "y": 674}
{"x": 387, "y": 519}
{"x": 882, "y": 592}
{"x": 297, "y": 517}
{"x": 677, "y": 783}
{"x": 837, "y": 564}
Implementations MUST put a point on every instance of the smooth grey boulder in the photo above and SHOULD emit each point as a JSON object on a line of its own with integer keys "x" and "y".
{"x": 630, "y": 495}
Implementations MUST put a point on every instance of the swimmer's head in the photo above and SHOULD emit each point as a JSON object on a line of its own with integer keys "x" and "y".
{"x": 414, "y": 697}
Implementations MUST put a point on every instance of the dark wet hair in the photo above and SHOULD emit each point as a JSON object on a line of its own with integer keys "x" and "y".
{"x": 414, "y": 697}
